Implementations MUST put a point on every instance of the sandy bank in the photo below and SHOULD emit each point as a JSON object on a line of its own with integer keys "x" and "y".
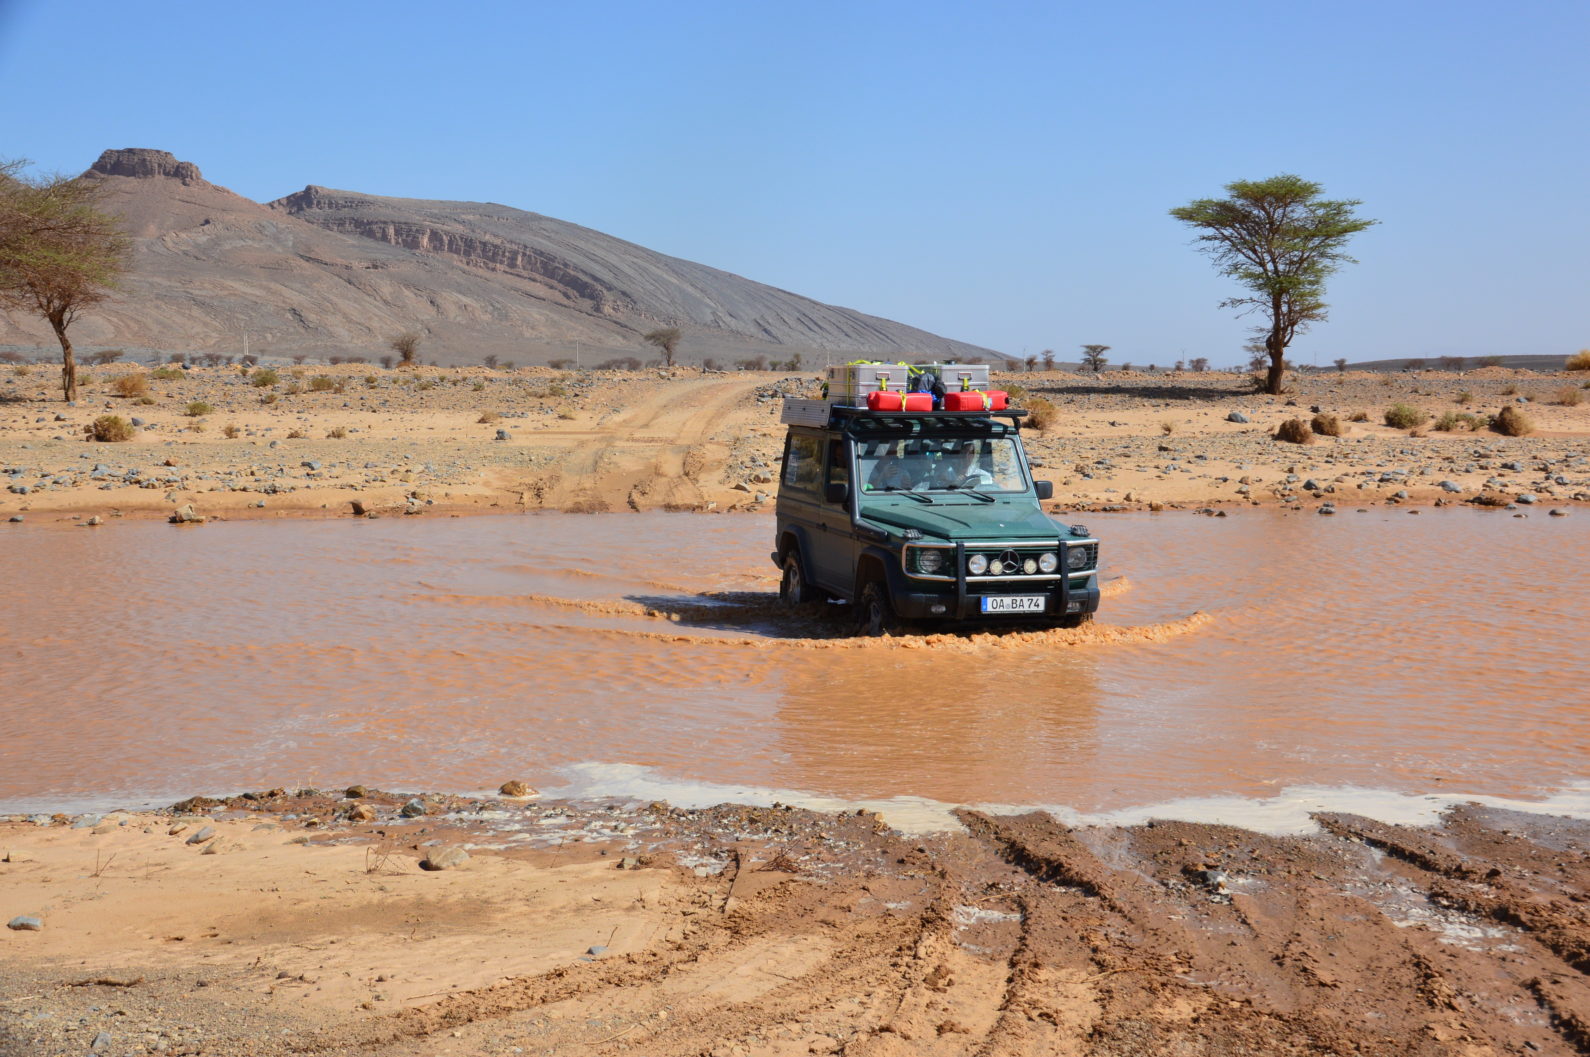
{"x": 275, "y": 924}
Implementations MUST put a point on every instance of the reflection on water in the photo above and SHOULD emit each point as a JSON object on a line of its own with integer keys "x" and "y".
{"x": 1377, "y": 650}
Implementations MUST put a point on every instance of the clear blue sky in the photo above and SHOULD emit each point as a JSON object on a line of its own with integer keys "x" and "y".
{"x": 994, "y": 172}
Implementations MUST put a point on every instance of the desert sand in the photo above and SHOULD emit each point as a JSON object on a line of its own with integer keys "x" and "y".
{"x": 304, "y": 921}
{"x": 277, "y": 924}
{"x": 338, "y": 440}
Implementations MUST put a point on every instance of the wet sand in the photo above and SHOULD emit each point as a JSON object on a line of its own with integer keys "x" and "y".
{"x": 273, "y": 925}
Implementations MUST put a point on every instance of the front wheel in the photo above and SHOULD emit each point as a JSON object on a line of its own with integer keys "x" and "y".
{"x": 874, "y": 615}
{"x": 793, "y": 587}
{"x": 1076, "y": 620}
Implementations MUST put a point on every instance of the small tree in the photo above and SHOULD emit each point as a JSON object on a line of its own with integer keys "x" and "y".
{"x": 1093, "y": 356}
{"x": 1281, "y": 240}
{"x": 407, "y": 346}
{"x": 667, "y": 339}
{"x": 59, "y": 253}
{"x": 1341, "y": 364}
{"x": 1032, "y": 363}
{"x": 1199, "y": 364}
{"x": 1048, "y": 359}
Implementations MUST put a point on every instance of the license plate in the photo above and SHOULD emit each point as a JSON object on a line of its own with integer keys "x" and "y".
{"x": 1014, "y": 603}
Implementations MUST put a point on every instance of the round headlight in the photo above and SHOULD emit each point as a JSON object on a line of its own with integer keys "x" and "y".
{"x": 977, "y": 564}
{"x": 1029, "y": 566}
{"x": 929, "y": 561}
{"x": 1076, "y": 557}
{"x": 1048, "y": 562}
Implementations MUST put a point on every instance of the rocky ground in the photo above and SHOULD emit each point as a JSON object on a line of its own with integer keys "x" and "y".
{"x": 349, "y": 440}
{"x": 282, "y": 923}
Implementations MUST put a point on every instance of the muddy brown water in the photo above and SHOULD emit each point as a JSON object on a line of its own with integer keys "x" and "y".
{"x": 642, "y": 655}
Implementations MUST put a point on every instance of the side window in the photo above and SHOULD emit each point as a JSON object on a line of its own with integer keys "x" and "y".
{"x": 801, "y": 465}
{"x": 838, "y": 462}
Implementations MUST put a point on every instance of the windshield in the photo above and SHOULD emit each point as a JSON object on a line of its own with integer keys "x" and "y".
{"x": 940, "y": 464}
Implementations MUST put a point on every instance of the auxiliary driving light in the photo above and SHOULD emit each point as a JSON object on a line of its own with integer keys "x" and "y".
{"x": 1029, "y": 566}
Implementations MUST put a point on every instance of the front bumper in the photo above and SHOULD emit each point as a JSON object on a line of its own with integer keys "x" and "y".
{"x": 950, "y": 605}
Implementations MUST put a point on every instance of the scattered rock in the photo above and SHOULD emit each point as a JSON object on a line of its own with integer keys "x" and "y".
{"x": 1237, "y": 416}
{"x": 354, "y": 792}
{"x": 184, "y": 515}
{"x": 414, "y": 808}
{"x": 444, "y": 858}
{"x": 361, "y": 813}
{"x": 25, "y": 923}
{"x": 203, "y": 835}
{"x": 516, "y": 788}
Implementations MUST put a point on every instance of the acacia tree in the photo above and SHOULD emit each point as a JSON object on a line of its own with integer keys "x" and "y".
{"x": 407, "y": 346}
{"x": 59, "y": 253}
{"x": 1281, "y": 240}
{"x": 667, "y": 339}
{"x": 1093, "y": 356}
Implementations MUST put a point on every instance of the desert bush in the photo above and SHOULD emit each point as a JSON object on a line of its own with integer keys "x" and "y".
{"x": 230, "y": 432}
{"x": 567, "y": 416}
{"x": 1511, "y": 422}
{"x": 1510, "y": 389}
{"x": 264, "y": 376}
{"x": 145, "y": 401}
{"x": 294, "y": 387}
{"x": 296, "y": 434}
{"x": 1327, "y": 425}
{"x": 1358, "y": 416}
{"x": 110, "y": 428}
{"x": 268, "y": 399}
{"x": 478, "y": 386}
{"x": 488, "y": 417}
{"x": 371, "y": 381}
{"x": 1167, "y": 427}
{"x": 1295, "y": 431}
{"x": 1387, "y": 380}
{"x": 196, "y": 408}
{"x": 129, "y": 385}
{"x": 1042, "y": 415}
{"x": 1014, "y": 392}
{"x": 22, "y": 370}
{"x": 196, "y": 426}
{"x": 337, "y": 433}
{"x": 1579, "y": 361}
{"x": 321, "y": 383}
{"x": 1406, "y": 416}
{"x": 1567, "y": 396}
{"x": 1465, "y": 397}
{"x": 1451, "y": 421}
{"x": 166, "y": 374}
{"x": 427, "y": 385}
{"x": 557, "y": 389}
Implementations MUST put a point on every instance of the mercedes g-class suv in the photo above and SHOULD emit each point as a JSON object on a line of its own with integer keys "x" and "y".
{"x": 924, "y": 516}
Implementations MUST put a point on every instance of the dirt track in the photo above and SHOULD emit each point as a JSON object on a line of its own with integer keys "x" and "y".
{"x": 830, "y": 934}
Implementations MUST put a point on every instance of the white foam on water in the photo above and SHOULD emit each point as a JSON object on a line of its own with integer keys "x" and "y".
{"x": 1286, "y": 813}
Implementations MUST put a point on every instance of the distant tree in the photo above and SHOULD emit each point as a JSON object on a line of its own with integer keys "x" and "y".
{"x": 105, "y": 356}
{"x": 249, "y": 360}
{"x": 59, "y": 252}
{"x": 1126, "y": 366}
{"x": 667, "y": 339}
{"x": 1200, "y": 364}
{"x": 1415, "y": 364}
{"x": 754, "y": 363}
{"x": 490, "y": 362}
{"x": 1451, "y": 363}
{"x": 386, "y": 361}
{"x": 1281, "y": 240}
{"x": 1048, "y": 359}
{"x": 301, "y": 357}
{"x": 1152, "y": 368}
{"x": 1032, "y": 363}
{"x": 1490, "y": 361}
{"x": 407, "y": 346}
{"x": 1341, "y": 364}
{"x": 710, "y": 364}
{"x": 1093, "y": 356}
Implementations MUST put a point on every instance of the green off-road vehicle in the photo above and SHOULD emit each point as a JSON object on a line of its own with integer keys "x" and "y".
{"x": 924, "y": 516}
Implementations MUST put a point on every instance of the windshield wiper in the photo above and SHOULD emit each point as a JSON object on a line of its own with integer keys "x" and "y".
{"x": 971, "y": 491}
{"x": 913, "y": 493}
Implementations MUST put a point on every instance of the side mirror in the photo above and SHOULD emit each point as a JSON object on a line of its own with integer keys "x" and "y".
{"x": 836, "y": 492}
{"x": 1045, "y": 489}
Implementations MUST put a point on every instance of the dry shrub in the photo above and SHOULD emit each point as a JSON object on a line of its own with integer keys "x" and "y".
{"x": 294, "y": 388}
{"x": 1453, "y": 420}
{"x": 230, "y": 432}
{"x": 1511, "y": 422}
{"x": 196, "y": 408}
{"x": 337, "y": 433}
{"x": 166, "y": 374}
{"x": 1510, "y": 389}
{"x": 1295, "y": 431}
{"x": 1567, "y": 396}
{"x": 1406, "y": 416}
{"x": 1465, "y": 397}
{"x": 111, "y": 428}
{"x": 1042, "y": 415}
{"x": 1167, "y": 427}
{"x": 321, "y": 383}
{"x": 296, "y": 434}
{"x": 1579, "y": 361}
{"x": 1327, "y": 425}
{"x": 263, "y": 377}
{"x": 130, "y": 385}
{"x": 488, "y": 417}
{"x": 145, "y": 401}
{"x": 1358, "y": 416}
{"x": 268, "y": 399}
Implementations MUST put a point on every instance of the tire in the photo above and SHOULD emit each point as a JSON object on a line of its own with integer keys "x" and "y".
{"x": 793, "y": 587}
{"x": 874, "y": 615}
{"x": 1075, "y": 621}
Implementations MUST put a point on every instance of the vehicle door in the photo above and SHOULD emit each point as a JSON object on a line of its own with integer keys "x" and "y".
{"x": 799, "y": 494}
{"x": 836, "y": 567}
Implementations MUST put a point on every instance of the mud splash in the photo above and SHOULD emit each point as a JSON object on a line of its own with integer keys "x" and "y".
{"x": 1235, "y": 657}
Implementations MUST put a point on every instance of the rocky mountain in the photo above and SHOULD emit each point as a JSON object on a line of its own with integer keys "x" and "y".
{"x": 328, "y": 272}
